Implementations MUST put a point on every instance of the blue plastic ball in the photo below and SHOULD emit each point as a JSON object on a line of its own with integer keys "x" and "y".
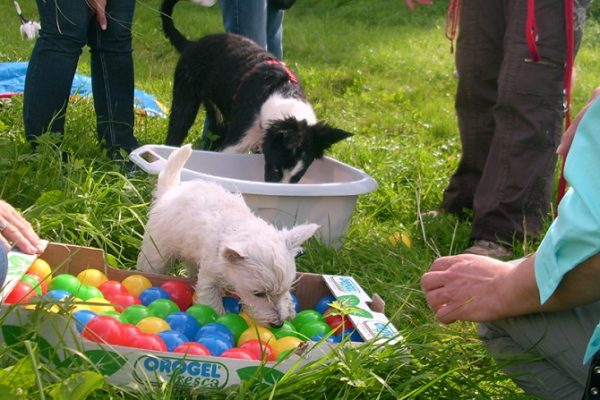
{"x": 56, "y": 295}
{"x": 172, "y": 338}
{"x": 153, "y": 293}
{"x": 215, "y": 344}
{"x": 323, "y": 303}
{"x": 330, "y": 339}
{"x": 216, "y": 329}
{"x": 82, "y": 317}
{"x": 232, "y": 305}
{"x": 296, "y": 303}
{"x": 184, "y": 323}
{"x": 350, "y": 334}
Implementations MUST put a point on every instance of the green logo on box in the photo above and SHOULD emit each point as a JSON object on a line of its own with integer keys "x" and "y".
{"x": 184, "y": 372}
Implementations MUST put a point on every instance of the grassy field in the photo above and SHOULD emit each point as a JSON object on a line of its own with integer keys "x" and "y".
{"x": 373, "y": 68}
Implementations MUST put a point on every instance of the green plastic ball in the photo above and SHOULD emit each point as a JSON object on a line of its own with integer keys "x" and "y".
{"x": 67, "y": 282}
{"x": 235, "y": 323}
{"x": 161, "y": 308}
{"x": 87, "y": 292}
{"x": 315, "y": 328}
{"x": 204, "y": 314}
{"x": 134, "y": 314}
{"x": 287, "y": 329}
{"x": 306, "y": 316}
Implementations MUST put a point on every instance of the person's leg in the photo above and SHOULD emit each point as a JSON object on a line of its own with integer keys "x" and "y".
{"x": 53, "y": 64}
{"x": 247, "y": 18}
{"x": 113, "y": 77}
{"x": 478, "y": 60}
{"x": 514, "y": 194}
{"x": 275, "y": 31}
{"x": 543, "y": 353}
{"x": 3, "y": 266}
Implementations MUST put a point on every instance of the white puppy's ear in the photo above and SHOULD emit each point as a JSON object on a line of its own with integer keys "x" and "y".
{"x": 298, "y": 235}
{"x": 233, "y": 255}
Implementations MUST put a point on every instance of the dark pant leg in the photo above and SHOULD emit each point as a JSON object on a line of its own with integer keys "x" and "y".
{"x": 53, "y": 64}
{"x": 514, "y": 194}
{"x": 478, "y": 60}
{"x": 113, "y": 77}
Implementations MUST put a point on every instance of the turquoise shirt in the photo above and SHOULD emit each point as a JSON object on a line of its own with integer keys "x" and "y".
{"x": 574, "y": 235}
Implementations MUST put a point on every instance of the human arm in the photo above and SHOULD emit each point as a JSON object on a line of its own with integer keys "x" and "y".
{"x": 17, "y": 230}
{"x": 567, "y": 137}
{"x": 411, "y": 3}
{"x": 99, "y": 9}
{"x": 474, "y": 288}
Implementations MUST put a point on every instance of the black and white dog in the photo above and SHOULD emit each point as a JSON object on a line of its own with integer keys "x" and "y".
{"x": 253, "y": 102}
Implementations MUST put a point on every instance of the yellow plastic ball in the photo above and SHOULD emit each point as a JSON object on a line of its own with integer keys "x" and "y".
{"x": 256, "y": 332}
{"x": 284, "y": 344}
{"x": 136, "y": 284}
{"x": 98, "y": 305}
{"x": 92, "y": 277}
{"x": 249, "y": 320}
{"x": 153, "y": 325}
{"x": 79, "y": 304}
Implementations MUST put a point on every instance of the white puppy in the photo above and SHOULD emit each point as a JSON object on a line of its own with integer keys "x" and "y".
{"x": 220, "y": 240}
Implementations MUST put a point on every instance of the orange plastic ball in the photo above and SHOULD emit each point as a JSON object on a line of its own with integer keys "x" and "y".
{"x": 41, "y": 269}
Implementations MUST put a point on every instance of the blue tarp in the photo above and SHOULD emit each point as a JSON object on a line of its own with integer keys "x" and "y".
{"x": 12, "y": 81}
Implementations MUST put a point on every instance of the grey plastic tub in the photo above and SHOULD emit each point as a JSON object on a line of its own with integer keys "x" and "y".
{"x": 326, "y": 195}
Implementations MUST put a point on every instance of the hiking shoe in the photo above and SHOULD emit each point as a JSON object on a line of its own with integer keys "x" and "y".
{"x": 489, "y": 249}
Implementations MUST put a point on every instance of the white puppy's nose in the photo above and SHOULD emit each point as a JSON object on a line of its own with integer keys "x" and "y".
{"x": 276, "y": 324}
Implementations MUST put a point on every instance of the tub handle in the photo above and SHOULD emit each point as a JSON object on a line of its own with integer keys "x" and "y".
{"x": 148, "y": 160}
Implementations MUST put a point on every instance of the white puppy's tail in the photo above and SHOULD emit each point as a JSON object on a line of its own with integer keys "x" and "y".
{"x": 171, "y": 175}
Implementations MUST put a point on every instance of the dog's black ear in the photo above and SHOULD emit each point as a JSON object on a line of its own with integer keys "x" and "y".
{"x": 325, "y": 136}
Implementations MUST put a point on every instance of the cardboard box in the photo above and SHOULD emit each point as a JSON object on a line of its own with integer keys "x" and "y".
{"x": 61, "y": 344}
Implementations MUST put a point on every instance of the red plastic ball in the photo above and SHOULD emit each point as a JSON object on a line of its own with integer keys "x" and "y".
{"x": 112, "y": 288}
{"x": 181, "y": 293}
{"x": 239, "y": 353}
{"x": 103, "y": 329}
{"x": 258, "y": 349}
{"x": 42, "y": 282}
{"x": 192, "y": 348}
{"x": 338, "y": 322}
{"x": 21, "y": 293}
{"x": 147, "y": 341}
{"x": 129, "y": 331}
{"x": 123, "y": 300}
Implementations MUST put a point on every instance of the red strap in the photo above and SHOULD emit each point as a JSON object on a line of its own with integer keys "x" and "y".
{"x": 570, "y": 57}
{"x": 531, "y": 31}
{"x": 291, "y": 77}
{"x": 452, "y": 17}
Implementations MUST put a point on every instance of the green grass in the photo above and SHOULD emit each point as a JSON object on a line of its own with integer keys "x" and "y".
{"x": 373, "y": 68}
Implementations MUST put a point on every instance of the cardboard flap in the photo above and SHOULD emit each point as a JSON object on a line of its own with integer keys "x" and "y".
{"x": 368, "y": 317}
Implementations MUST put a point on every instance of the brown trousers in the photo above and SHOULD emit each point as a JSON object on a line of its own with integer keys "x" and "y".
{"x": 510, "y": 112}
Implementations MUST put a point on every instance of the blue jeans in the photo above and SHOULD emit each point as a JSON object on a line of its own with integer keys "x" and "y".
{"x": 255, "y": 20}
{"x": 67, "y": 26}
{"x": 3, "y": 265}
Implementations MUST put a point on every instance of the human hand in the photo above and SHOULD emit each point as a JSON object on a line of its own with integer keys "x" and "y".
{"x": 465, "y": 287}
{"x": 99, "y": 9}
{"x": 567, "y": 138}
{"x": 411, "y": 3}
{"x": 16, "y": 230}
